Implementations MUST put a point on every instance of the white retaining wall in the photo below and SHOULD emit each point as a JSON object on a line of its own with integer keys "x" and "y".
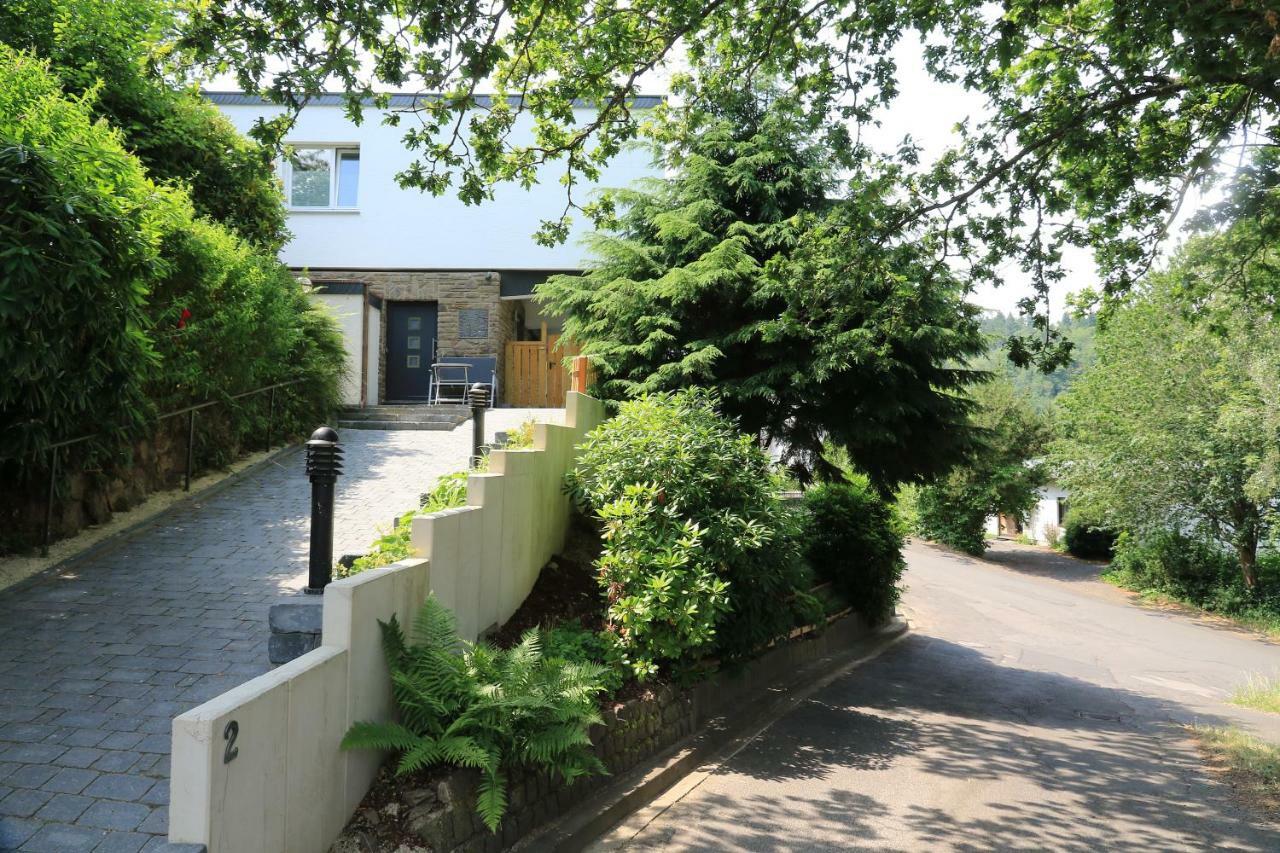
{"x": 258, "y": 769}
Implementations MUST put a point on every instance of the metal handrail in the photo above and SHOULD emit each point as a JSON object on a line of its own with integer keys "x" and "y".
{"x": 70, "y": 441}
{"x": 189, "y": 411}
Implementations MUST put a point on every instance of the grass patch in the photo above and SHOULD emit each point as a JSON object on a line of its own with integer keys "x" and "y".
{"x": 1249, "y": 765}
{"x": 1259, "y": 619}
{"x": 1261, "y": 694}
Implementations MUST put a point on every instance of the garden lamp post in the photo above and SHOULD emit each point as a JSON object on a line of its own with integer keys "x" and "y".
{"x": 478, "y": 397}
{"x": 324, "y": 464}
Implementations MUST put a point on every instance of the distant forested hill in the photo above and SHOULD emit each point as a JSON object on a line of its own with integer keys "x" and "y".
{"x": 1039, "y": 387}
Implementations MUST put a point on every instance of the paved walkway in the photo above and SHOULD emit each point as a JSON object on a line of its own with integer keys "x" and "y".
{"x": 1030, "y": 708}
{"x": 96, "y": 660}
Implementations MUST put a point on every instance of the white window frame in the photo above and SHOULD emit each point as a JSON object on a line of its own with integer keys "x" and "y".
{"x": 333, "y": 150}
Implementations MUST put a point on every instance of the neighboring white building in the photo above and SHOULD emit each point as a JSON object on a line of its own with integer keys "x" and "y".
{"x": 416, "y": 278}
{"x": 1044, "y": 524}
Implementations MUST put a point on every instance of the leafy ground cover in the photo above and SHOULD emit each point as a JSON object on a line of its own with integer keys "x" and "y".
{"x": 478, "y": 706}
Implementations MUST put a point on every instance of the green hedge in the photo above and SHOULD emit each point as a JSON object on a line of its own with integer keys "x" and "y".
{"x": 947, "y": 516}
{"x": 1084, "y": 539}
{"x": 853, "y": 540}
{"x": 1199, "y": 572}
{"x": 119, "y": 302}
{"x": 119, "y": 51}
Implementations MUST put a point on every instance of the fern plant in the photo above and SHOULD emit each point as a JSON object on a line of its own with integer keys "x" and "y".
{"x": 474, "y": 705}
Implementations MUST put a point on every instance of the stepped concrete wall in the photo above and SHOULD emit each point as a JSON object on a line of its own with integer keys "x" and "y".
{"x": 259, "y": 768}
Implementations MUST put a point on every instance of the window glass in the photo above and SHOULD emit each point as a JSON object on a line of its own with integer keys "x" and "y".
{"x": 348, "y": 177}
{"x": 310, "y": 177}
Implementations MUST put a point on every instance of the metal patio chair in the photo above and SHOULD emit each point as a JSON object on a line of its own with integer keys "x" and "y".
{"x": 482, "y": 369}
{"x": 449, "y": 383}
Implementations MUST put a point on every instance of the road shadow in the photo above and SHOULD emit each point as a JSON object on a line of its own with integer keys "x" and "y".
{"x": 1041, "y": 562}
{"x": 1058, "y": 763}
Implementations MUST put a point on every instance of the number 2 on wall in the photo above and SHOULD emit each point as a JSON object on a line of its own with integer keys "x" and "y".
{"x": 229, "y": 734}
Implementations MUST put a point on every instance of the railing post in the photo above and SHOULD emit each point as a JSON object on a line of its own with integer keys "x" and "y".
{"x": 271, "y": 413}
{"x": 48, "y": 509}
{"x": 580, "y": 366}
{"x": 191, "y": 446}
{"x": 324, "y": 464}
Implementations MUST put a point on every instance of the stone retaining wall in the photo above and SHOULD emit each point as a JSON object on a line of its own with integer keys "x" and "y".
{"x": 91, "y": 496}
{"x": 445, "y": 819}
{"x": 441, "y": 817}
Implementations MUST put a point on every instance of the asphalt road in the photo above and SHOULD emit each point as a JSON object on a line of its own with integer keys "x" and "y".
{"x": 1031, "y": 707}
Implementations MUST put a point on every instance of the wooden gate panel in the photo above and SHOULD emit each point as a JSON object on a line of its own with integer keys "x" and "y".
{"x": 536, "y": 373}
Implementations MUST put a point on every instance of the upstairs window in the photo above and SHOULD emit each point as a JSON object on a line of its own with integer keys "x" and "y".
{"x": 323, "y": 178}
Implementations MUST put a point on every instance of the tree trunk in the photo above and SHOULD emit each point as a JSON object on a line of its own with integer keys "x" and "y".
{"x": 1247, "y": 552}
{"x": 1245, "y": 521}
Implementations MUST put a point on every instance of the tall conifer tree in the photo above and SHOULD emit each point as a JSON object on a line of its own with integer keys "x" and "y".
{"x": 737, "y": 272}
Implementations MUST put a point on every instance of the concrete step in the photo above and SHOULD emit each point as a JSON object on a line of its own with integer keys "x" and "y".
{"x": 402, "y": 416}
{"x": 408, "y": 414}
{"x": 384, "y": 413}
{"x": 442, "y": 426}
{"x": 409, "y": 419}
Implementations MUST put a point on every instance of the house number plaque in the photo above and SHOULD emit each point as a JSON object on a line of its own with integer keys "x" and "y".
{"x": 229, "y": 734}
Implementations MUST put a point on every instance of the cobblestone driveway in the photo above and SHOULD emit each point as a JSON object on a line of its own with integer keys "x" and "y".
{"x": 97, "y": 659}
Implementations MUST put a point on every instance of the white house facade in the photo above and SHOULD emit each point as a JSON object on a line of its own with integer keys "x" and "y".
{"x": 416, "y": 278}
{"x": 1043, "y": 524}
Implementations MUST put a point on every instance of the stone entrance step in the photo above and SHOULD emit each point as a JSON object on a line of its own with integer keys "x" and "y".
{"x": 404, "y": 417}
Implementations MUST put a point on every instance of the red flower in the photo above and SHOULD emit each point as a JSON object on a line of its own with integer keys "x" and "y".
{"x": 182, "y": 321}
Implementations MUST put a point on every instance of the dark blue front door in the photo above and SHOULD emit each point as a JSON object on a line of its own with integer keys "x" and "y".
{"x": 411, "y": 347}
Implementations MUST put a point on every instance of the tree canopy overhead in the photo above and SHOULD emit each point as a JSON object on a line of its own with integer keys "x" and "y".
{"x": 1102, "y": 114}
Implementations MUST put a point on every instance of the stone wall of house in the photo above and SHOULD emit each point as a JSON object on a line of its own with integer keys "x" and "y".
{"x": 454, "y": 293}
